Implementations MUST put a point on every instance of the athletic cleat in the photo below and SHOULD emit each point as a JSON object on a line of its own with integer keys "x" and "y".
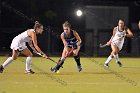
{"x": 53, "y": 69}
{"x": 106, "y": 65}
{"x": 119, "y": 63}
{"x": 29, "y": 72}
{"x": 79, "y": 68}
{"x": 1, "y": 69}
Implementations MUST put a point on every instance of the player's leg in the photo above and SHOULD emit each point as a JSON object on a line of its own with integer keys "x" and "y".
{"x": 108, "y": 60}
{"x": 61, "y": 61}
{"x": 29, "y": 55}
{"x": 15, "y": 54}
{"x": 118, "y": 61}
{"x": 77, "y": 58}
{"x": 115, "y": 54}
{"x": 113, "y": 47}
{"x": 66, "y": 50}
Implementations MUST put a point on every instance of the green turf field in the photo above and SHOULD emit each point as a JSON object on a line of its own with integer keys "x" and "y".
{"x": 93, "y": 79}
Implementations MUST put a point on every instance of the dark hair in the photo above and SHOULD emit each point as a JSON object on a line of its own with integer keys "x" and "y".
{"x": 37, "y": 25}
{"x": 66, "y": 24}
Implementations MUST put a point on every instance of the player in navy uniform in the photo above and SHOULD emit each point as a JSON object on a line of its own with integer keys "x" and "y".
{"x": 71, "y": 41}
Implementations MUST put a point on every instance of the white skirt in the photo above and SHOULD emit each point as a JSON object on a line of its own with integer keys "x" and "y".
{"x": 118, "y": 43}
{"x": 17, "y": 45}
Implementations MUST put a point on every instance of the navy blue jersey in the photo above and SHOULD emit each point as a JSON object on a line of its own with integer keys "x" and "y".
{"x": 71, "y": 40}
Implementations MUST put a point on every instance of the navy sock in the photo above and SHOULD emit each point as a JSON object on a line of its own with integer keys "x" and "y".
{"x": 60, "y": 63}
{"x": 77, "y": 59}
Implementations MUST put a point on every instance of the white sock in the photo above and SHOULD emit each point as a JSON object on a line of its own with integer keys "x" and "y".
{"x": 108, "y": 59}
{"x": 28, "y": 63}
{"x": 116, "y": 57}
{"x": 8, "y": 61}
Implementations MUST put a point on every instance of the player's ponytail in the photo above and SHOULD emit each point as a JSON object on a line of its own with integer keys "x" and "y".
{"x": 36, "y": 22}
{"x": 37, "y": 25}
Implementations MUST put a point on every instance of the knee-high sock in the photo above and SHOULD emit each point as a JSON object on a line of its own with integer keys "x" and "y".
{"x": 77, "y": 59}
{"x": 28, "y": 63}
{"x": 116, "y": 57}
{"x": 8, "y": 61}
{"x": 59, "y": 64}
{"x": 109, "y": 59}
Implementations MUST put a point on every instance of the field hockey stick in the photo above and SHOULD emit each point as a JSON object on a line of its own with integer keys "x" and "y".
{"x": 104, "y": 45}
{"x": 70, "y": 52}
{"x": 48, "y": 58}
{"x": 35, "y": 51}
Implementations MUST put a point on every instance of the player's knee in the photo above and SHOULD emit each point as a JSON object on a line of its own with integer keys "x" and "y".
{"x": 14, "y": 58}
{"x": 114, "y": 52}
{"x": 30, "y": 55}
{"x": 75, "y": 53}
{"x": 111, "y": 56}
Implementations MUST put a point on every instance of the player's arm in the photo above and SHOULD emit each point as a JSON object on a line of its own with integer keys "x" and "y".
{"x": 63, "y": 39}
{"x": 130, "y": 34}
{"x": 77, "y": 37}
{"x": 34, "y": 39}
{"x": 30, "y": 43}
{"x": 114, "y": 31}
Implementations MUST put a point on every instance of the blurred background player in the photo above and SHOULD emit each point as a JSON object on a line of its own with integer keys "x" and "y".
{"x": 139, "y": 24}
{"x": 18, "y": 46}
{"x": 139, "y": 29}
{"x": 71, "y": 41}
{"x": 117, "y": 41}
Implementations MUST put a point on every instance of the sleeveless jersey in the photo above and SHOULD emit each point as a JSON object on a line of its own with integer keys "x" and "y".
{"x": 118, "y": 39}
{"x": 23, "y": 37}
{"x": 119, "y": 35}
{"x": 71, "y": 40}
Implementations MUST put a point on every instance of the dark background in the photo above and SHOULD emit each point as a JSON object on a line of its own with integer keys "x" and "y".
{"x": 18, "y": 15}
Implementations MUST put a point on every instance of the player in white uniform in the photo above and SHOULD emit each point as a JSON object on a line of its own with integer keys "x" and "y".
{"x": 18, "y": 46}
{"x": 117, "y": 41}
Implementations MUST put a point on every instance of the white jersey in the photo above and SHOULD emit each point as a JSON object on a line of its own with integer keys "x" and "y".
{"x": 19, "y": 42}
{"x": 119, "y": 37}
{"x": 23, "y": 37}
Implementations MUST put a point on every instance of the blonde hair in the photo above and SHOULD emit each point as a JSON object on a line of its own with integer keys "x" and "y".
{"x": 66, "y": 24}
{"x": 37, "y": 25}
